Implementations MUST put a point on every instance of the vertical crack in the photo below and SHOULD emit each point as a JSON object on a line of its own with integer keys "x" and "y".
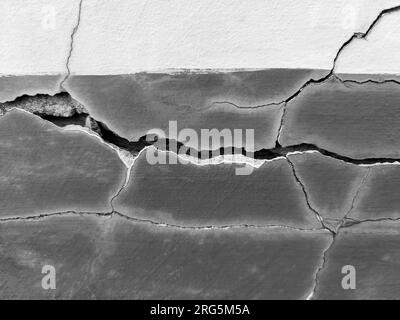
{"x": 335, "y": 234}
{"x": 281, "y": 125}
{"x": 129, "y": 167}
{"x": 71, "y": 48}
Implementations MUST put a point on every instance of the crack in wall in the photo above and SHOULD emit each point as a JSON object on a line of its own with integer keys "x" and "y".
{"x": 53, "y": 214}
{"x": 281, "y": 125}
{"x": 356, "y": 35}
{"x": 367, "y": 81}
{"x": 62, "y": 110}
{"x": 71, "y": 47}
{"x": 126, "y": 182}
{"x": 273, "y": 153}
{"x": 278, "y": 151}
{"x": 271, "y": 104}
{"x": 352, "y": 222}
{"x": 114, "y": 213}
{"x": 303, "y": 187}
{"x": 335, "y": 234}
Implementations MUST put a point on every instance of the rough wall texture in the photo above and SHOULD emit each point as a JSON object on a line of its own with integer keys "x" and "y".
{"x": 106, "y": 175}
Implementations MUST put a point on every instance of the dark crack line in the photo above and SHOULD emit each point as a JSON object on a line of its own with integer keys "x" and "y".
{"x": 335, "y": 234}
{"x": 113, "y": 213}
{"x": 271, "y": 104}
{"x": 125, "y": 183}
{"x": 54, "y": 214}
{"x": 281, "y": 125}
{"x": 362, "y": 35}
{"x": 134, "y": 147}
{"x": 320, "y": 268}
{"x": 71, "y": 48}
{"x": 356, "y": 195}
{"x": 316, "y": 213}
{"x": 218, "y": 227}
{"x": 352, "y": 222}
{"x": 368, "y": 81}
{"x": 356, "y": 35}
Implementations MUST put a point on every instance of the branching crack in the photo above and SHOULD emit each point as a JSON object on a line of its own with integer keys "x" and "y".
{"x": 62, "y": 110}
{"x": 316, "y": 213}
{"x": 335, "y": 234}
{"x": 356, "y": 35}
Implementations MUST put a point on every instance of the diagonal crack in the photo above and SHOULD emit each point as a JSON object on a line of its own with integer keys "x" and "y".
{"x": 356, "y": 35}
{"x": 317, "y": 214}
{"x": 335, "y": 234}
{"x": 71, "y": 47}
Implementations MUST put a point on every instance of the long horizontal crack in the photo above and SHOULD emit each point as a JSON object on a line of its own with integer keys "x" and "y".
{"x": 157, "y": 223}
{"x": 349, "y": 222}
{"x": 63, "y": 111}
{"x": 271, "y": 104}
{"x": 368, "y": 81}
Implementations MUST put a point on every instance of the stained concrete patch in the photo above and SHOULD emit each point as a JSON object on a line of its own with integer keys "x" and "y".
{"x": 358, "y": 121}
{"x": 190, "y": 194}
{"x": 45, "y": 169}
{"x": 373, "y": 252}
{"x": 114, "y": 258}
{"x": 331, "y": 184}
